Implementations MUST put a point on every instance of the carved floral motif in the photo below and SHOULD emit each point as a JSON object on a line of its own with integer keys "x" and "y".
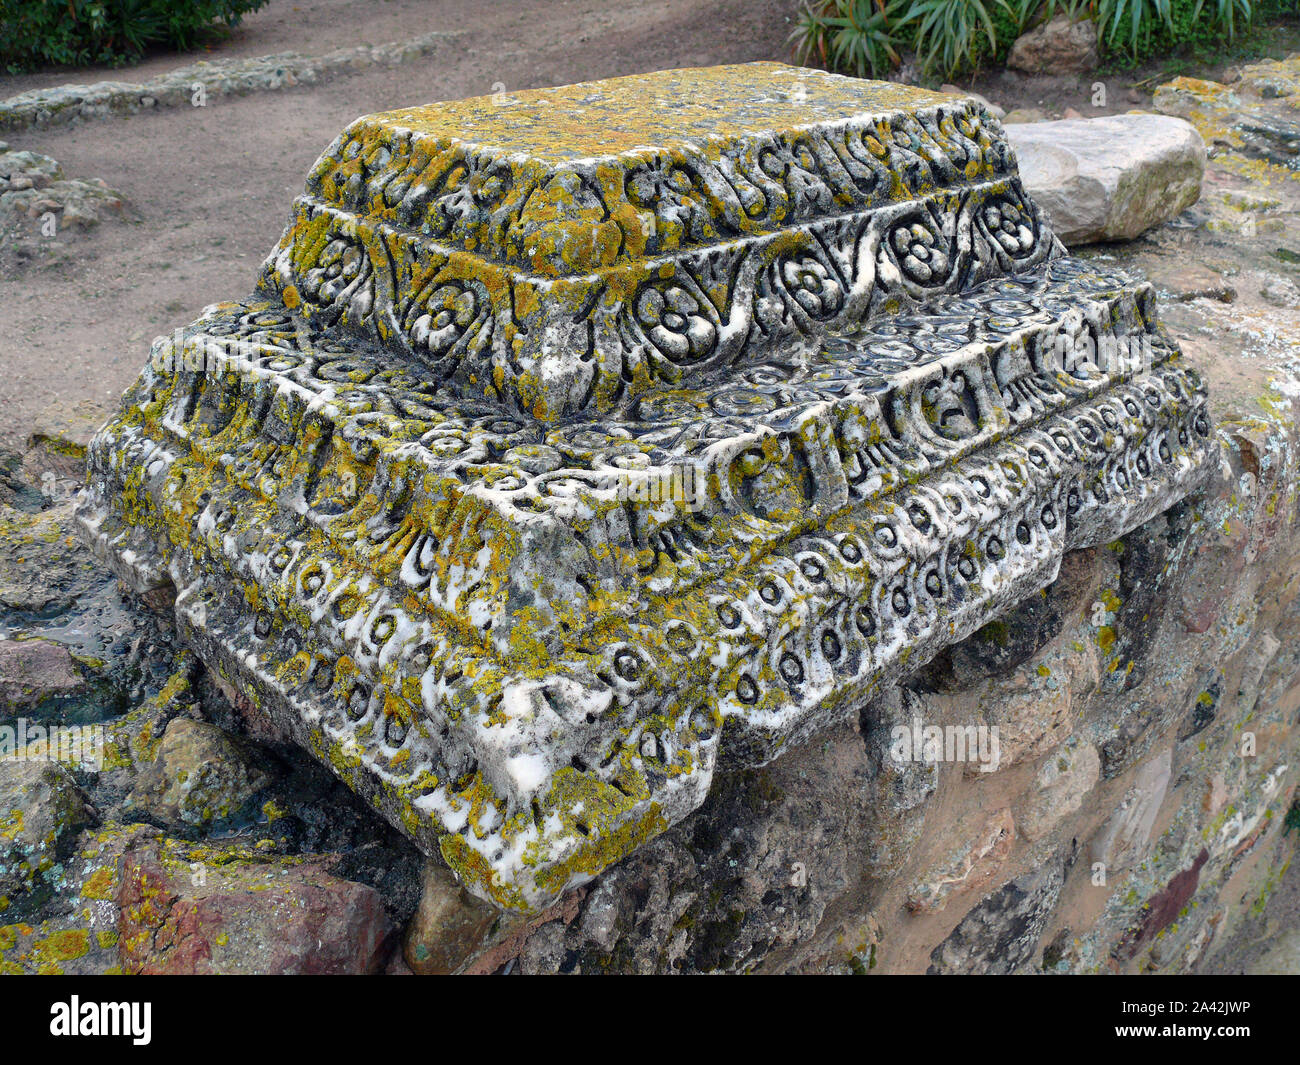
{"x": 423, "y": 497}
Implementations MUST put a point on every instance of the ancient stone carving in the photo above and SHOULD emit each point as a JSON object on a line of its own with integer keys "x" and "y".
{"x": 577, "y": 442}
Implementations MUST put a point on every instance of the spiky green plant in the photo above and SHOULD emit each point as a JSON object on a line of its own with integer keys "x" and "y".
{"x": 1227, "y": 13}
{"x": 868, "y": 37}
{"x": 948, "y": 32}
{"x": 853, "y": 36}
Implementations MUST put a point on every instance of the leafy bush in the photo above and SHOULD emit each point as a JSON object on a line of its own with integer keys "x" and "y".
{"x": 1143, "y": 27}
{"x": 854, "y": 36}
{"x": 950, "y": 34}
{"x": 868, "y": 37}
{"x": 36, "y": 33}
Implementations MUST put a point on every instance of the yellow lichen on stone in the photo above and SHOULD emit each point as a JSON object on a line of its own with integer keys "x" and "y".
{"x": 543, "y": 464}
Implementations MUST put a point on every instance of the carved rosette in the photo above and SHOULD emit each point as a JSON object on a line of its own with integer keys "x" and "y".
{"x": 532, "y": 485}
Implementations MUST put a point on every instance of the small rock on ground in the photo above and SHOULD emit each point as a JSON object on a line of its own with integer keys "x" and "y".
{"x": 1058, "y": 47}
{"x": 1109, "y": 179}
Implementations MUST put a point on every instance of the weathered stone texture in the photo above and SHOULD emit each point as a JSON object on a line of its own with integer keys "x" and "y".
{"x": 64, "y": 104}
{"x": 199, "y": 776}
{"x": 32, "y": 184}
{"x": 34, "y": 673}
{"x": 41, "y": 810}
{"x": 579, "y": 443}
{"x": 271, "y": 915}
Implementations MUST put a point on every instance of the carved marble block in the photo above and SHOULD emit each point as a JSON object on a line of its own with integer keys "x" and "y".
{"x": 577, "y": 442}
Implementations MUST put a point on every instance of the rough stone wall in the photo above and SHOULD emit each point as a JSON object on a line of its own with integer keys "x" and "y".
{"x": 1147, "y": 705}
{"x": 69, "y": 104}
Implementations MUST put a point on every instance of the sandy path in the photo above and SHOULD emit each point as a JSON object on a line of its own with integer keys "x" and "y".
{"x": 313, "y": 27}
{"x": 211, "y": 186}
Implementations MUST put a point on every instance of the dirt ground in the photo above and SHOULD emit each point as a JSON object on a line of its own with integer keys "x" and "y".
{"x": 210, "y": 188}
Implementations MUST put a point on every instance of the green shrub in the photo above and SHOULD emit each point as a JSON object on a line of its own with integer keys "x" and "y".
{"x": 1146, "y": 27}
{"x": 867, "y": 37}
{"x": 853, "y": 36}
{"x": 35, "y": 33}
{"x": 952, "y": 34}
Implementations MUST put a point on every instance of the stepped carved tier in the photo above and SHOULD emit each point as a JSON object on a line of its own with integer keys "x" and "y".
{"x": 578, "y": 443}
